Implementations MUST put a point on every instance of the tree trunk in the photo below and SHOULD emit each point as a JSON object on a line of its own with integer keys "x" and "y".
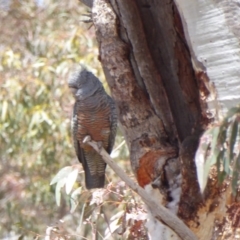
{"x": 162, "y": 91}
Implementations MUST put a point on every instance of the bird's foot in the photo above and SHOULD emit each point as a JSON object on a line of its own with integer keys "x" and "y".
{"x": 100, "y": 144}
{"x": 87, "y": 139}
{"x": 88, "y": 19}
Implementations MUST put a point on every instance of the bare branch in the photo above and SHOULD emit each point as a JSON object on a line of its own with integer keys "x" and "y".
{"x": 157, "y": 210}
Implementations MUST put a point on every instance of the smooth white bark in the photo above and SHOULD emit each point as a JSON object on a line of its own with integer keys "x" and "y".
{"x": 213, "y": 34}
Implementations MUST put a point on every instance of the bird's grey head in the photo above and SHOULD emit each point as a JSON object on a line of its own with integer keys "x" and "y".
{"x": 83, "y": 83}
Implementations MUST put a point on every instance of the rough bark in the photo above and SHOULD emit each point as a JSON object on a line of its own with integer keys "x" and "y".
{"x": 161, "y": 96}
{"x": 145, "y": 132}
{"x": 212, "y": 32}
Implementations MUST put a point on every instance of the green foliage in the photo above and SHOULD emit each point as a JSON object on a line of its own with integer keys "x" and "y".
{"x": 66, "y": 176}
{"x": 220, "y": 146}
{"x": 39, "y": 47}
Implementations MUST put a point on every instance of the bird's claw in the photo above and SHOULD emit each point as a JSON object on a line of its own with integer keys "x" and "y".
{"x": 100, "y": 144}
{"x": 87, "y": 139}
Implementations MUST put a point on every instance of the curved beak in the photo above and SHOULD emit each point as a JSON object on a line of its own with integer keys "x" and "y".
{"x": 73, "y": 90}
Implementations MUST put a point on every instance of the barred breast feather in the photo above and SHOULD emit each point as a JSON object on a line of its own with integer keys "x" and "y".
{"x": 94, "y": 114}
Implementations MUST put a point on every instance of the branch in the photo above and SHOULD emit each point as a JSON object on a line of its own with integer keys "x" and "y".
{"x": 158, "y": 211}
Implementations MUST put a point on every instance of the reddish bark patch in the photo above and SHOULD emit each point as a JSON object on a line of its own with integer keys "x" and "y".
{"x": 203, "y": 80}
{"x": 206, "y": 88}
{"x": 146, "y": 172}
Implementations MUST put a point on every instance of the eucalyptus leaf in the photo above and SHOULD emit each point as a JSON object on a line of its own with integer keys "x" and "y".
{"x": 219, "y": 160}
{"x": 226, "y": 163}
{"x": 232, "y": 138}
{"x": 214, "y": 146}
{"x": 59, "y": 186}
{"x": 89, "y": 210}
{"x": 63, "y": 173}
{"x": 202, "y": 161}
{"x": 71, "y": 179}
{"x": 74, "y": 199}
{"x": 232, "y": 111}
{"x": 236, "y": 173}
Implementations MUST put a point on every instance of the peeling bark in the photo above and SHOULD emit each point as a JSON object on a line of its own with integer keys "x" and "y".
{"x": 144, "y": 130}
{"x": 161, "y": 90}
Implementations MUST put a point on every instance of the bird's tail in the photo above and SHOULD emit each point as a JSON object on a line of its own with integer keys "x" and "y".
{"x": 94, "y": 181}
{"x": 94, "y": 168}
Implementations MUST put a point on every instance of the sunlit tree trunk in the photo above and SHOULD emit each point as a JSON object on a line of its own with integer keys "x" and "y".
{"x": 168, "y": 64}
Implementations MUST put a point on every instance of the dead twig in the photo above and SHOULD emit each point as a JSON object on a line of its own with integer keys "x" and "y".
{"x": 158, "y": 211}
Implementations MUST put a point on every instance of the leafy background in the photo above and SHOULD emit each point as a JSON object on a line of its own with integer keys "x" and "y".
{"x": 40, "y": 43}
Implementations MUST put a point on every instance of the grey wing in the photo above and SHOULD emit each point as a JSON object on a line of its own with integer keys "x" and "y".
{"x": 77, "y": 147}
{"x": 113, "y": 125}
{"x": 91, "y": 180}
